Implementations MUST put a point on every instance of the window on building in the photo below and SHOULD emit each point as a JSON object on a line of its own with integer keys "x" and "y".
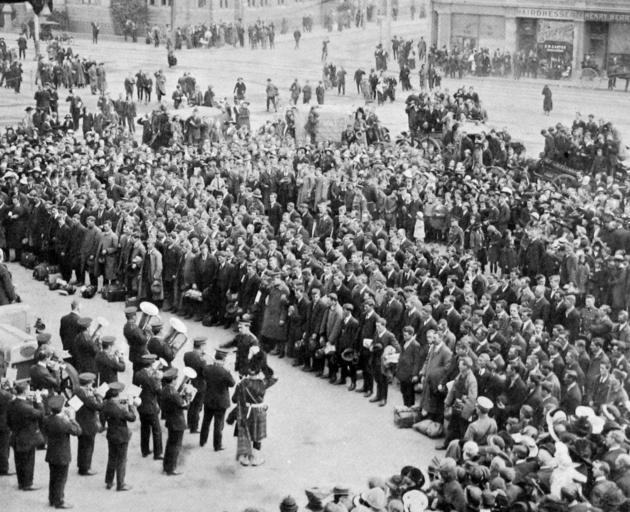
{"x": 151, "y": 2}
{"x": 163, "y": 2}
{"x": 223, "y": 4}
{"x": 201, "y": 3}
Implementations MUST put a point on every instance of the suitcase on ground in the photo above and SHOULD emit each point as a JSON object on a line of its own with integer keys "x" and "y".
{"x": 113, "y": 292}
{"x": 40, "y": 272}
{"x": 405, "y": 417}
{"x": 28, "y": 260}
{"x": 53, "y": 281}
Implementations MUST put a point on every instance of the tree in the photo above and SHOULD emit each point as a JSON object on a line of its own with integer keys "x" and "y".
{"x": 124, "y": 10}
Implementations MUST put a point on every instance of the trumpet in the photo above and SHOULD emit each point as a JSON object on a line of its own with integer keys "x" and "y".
{"x": 100, "y": 323}
{"x": 148, "y": 311}
{"x": 176, "y": 338}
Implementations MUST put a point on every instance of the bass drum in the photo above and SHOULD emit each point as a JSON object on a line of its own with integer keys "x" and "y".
{"x": 69, "y": 381}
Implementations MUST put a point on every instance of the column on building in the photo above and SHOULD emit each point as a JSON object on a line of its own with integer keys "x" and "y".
{"x": 444, "y": 23}
{"x": 510, "y": 33}
{"x": 578, "y": 48}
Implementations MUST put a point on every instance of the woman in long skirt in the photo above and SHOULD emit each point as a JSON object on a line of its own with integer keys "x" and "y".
{"x": 251, "y": 413}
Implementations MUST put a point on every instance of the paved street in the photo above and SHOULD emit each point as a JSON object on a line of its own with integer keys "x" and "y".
{"x": 512, "y": 104}
{"x": 318, "y": 435}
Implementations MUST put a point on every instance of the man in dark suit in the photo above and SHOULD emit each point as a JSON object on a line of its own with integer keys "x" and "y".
{"x": 173, "y": 405}
{"x": 69, "y": 326}
{"x": 116, "y": 414}
{"x": 392, "y": 311}
{"x": 571, "y": 318}
{"x": 541, "y": 309}
{"x": 367, "y": 330}
{"x": 572, "y": 396}
{"x": 206, "y": 266}
{"x": 195, "y": 359}
{"x": 59, "y": 426}
{"x": 513, "y": 397}
{"x": 136, "y": 338}
{"x": 383, "y": 338}
{"x": 275, "y": 212}
{"x": 88, "y": 418}
{"x": 23, "y": 417}
{"x": 108, "y": 361}
{"x": 218, "y": 382}
{"x": 409, "y": 365}
{"x": 150, "y": 380}
{"x": 428, "y": 324}
{"x": 347, "y": 340}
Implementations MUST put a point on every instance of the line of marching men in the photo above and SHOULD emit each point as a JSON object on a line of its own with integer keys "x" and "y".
{"x": 36, "y": 414}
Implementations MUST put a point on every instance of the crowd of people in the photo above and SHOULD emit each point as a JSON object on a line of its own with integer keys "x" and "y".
{"x": 496, "y": 300}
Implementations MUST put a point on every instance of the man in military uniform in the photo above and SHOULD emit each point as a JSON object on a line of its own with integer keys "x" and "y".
{"x": 157, "y": 345}
{"x": 59, "y": 426}
{"x": 135, "y": 337}
{"x": 109, "y": 362}
{"x": 217, "y": 399}
{"x": 150, "y": 380}
{"x": 85, "y": 348}
{"x": 88, "y": 418}
{"x": 173, "y": 406}
{"x": 23, "y": 417}
{"x": 195, "y": 359}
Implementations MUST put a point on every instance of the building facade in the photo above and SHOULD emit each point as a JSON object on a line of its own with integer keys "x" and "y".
{"x": 570, "y": 31}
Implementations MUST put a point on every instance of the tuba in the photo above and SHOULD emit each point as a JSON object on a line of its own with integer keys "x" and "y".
{"x": 100, "y": 323}
{"x": 148, "y": 310}
{"x": 176, "y": 338}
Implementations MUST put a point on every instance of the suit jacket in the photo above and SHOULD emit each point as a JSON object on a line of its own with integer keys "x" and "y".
{"x": 173, "y": 406}
{"x": 5, "y": 400}
{"x": 88, "y": 415}
{"x": 117, "y": 415}
{"x": 68, "y": 330}
{"x": 409, "y": 362}
{"x": 426, "y": 326}
{"x": 334, "y": 317}
{"x": 541, "y": 310}
{"x": 218, "y": 383}
{"x": 571, "y": 398}
{"x": 571, "y": 322}
{"x": 151, "y": 386}
{"x": 393, "y": 312}
{"x": 108, "y": 367}
{"x": 196, "y": 361}
{"x": 136, "y": 339}
{"x": 23, "y": 419}
{"x": 58, "y": 430}
{"x": 516, "y": 394}
{"x": 317, "y": 323}
{"x": 85, "y": 351}
{"x": 348, "y": 335}
{"x": 43, "y": 378}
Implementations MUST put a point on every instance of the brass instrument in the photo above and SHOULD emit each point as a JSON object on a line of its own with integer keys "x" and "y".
{"x": 176, "y": 338}
{"x": 148, "y": 311}
{"x": 100, "y": 323}
{"x": 185, "y": 389}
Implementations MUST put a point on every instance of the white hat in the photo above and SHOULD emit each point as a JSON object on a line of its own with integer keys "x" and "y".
{"x": 485, "y": 403}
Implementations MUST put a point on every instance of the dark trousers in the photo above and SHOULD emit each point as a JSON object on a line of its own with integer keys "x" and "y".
{"x": 5, "y": 437}
{"x": 85, "y": 449}
{"x": 456, "y": 428}
{"x": 150, "y": 427}
{"x": 22, "y": 53}
{"x": 348, "y": 369}
{"x": 194, "y": 410}
{"x": 24, "y": 467}
{"x": 271, "y": 100}
{"x": 408, "y": 393}
{"x": 333, "y": 366}
{"x": 57, "y": 483}
{"x": 173, "y": 447}
{"x": 116, "y": 463}
{"x": 210, "y": 414}
{"x": 382, "y": 386}
{"x": 364, "y": 364}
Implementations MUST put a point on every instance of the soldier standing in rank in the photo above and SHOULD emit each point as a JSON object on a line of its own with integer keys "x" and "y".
{"x": 88, "y": 418}
{"x": 195, "y": 359}
{"x": 109, "y": 362}
{"x": 59, "y": 426}
{"x": 218, "y": 382}
{"x": 150, "y": 380}
{"x": 117, "y": 412}
{"x": 135, "y": 337}
{"x": 23, "y": 417}
{"x": 173, "y": 405}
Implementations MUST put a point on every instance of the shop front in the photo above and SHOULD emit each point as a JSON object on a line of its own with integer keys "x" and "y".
{"x": 478, "y": 31}
{"x": 607, "y": 41}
